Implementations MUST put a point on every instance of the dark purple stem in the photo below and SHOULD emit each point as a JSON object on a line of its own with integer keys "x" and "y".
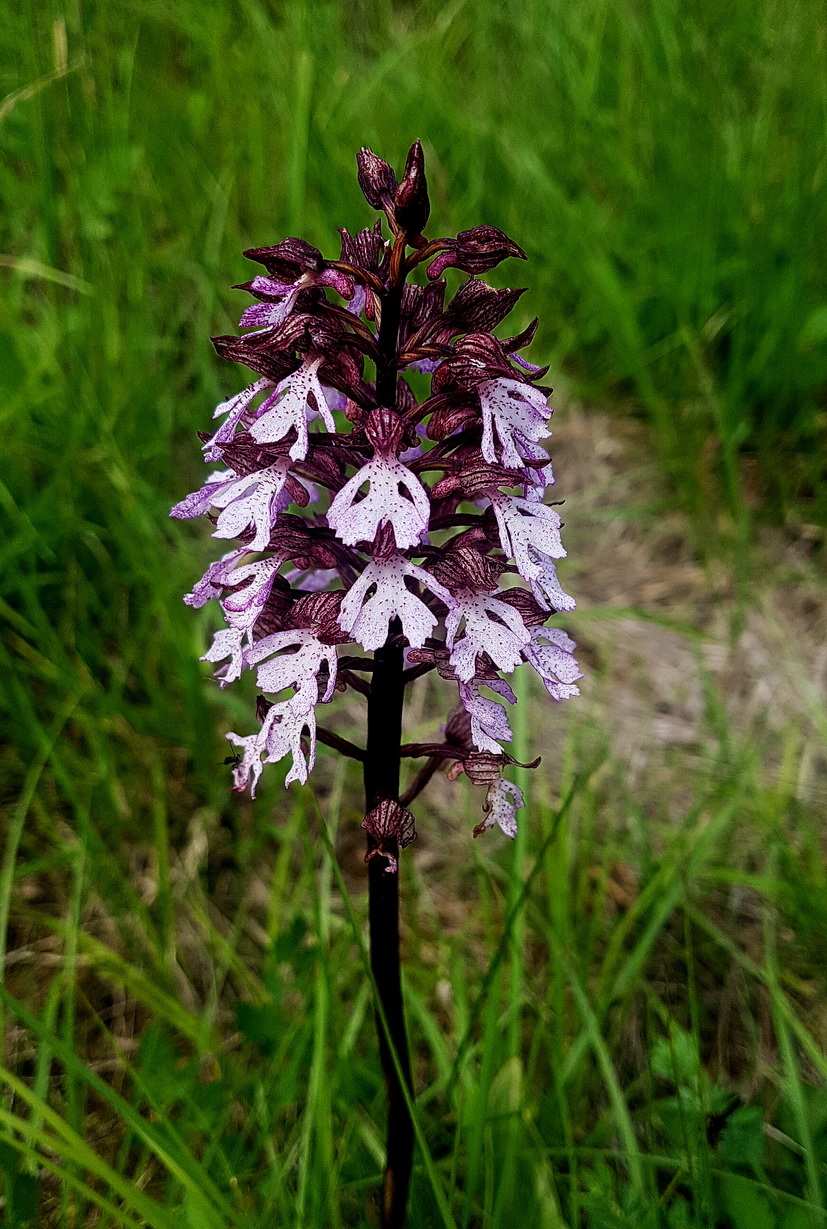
{"x": 387, "y": 691}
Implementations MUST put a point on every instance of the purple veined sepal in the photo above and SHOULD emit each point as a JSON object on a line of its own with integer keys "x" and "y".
{"x": 290, "y": 406}
{"x": 367, "y": 619}
{"x": 388, "y": 821}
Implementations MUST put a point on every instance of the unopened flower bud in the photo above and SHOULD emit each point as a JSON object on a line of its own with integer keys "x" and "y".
{"x": 412, "y": 202}
{"x": 376, "y": 179}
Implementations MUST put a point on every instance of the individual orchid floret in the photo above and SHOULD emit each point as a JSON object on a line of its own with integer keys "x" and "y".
{"x": 489, "y": 720}
{"x": 527, "y": 528}
{"x": 291, "y": 406}
{"x": 253, "y": 499}
{"x": 554, "y": 661}
{"x": 518, "y": 412}
{"x": 294, "y": 266}
{"x": 241, "y": 610}
{"x": 492, "y": 627}
{"x": 545, "y": 586}
{"x": 298, "y": 669}
{"x": 395, "y": 496}
{"x": 216, "y": 579}
{"x": 234, "y": 409}
{"x": 502, "y": 802}
{"x": 367, "y": 619}
{"x": 248, "y": 770}
{"x": 282, "y": 732}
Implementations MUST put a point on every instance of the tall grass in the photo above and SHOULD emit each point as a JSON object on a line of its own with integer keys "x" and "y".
{"x": 187, "y": 1018}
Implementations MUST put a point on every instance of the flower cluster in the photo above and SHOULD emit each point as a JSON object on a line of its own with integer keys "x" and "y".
{"x": 362, "y": 515}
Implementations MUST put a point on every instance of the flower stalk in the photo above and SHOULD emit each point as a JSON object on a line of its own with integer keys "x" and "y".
{"x": 416, "y": 530}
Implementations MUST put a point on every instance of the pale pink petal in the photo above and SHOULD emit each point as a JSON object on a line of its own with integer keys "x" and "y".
{"x": 250, "y": 765}
{"x": 527, "y": 529}
{"x": 211, "y": 583}
{"x": 367, "y": 620}
{"x": 297, "y": 669}
{"x": 546, "y": 587}
{"x": 234, "y": 408}
{"x": 268, "y": 315}
{"x": 256, "y": 500}
{"x": 227, "y": 643}
{"x": 489, "y": 721}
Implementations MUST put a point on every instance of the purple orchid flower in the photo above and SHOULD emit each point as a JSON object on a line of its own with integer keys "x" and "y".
{"x": 365, "y": 545}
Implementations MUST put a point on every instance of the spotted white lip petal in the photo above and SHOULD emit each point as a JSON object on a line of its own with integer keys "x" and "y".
{"x": 554, "y": 661}
{"x": 290, "y": 406}
{"x": 546, "y": 587}
{"x": 256, "y": 499}
{"x": 395, "y": 496}
{"x": 503, "y": 640}
{"x": 211, "y": 583}
{"x": 516, "y": 410}
{"x": 527, "y": 528}
{"x": 234, "y": 409}
{"x": 298, "y": 668}
{"x": 489, "y": 720}
{"x": 367, "y": 619}
{"x": 502, "y": 802}
{"x": 282, "y": 733}
{"x": 250, "y": 767}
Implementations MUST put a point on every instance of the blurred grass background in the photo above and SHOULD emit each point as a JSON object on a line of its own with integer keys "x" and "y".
{"x": 638, "y": 1036}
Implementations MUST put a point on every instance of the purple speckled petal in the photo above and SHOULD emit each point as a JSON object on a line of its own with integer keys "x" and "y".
{"x": 253, "y": 500}
{"x": 501, "y": 805}
{"x": 489, "y": 720}
{"x": 250, "y": 766}
{"x": 227, "y": 643}
{"x": 554, "y": 661}
{"x": 518, "y": 411}
{"x": 528, "y": 529}
{"x": 367, "y": 620}
{"x": 546, "y": 587}
{"x": 234, "y": 408}
{"x": 384, "y": 503}
{"x": 268, "y": 315}
{"x": 282, "y": 734}
{"x": 503, "y": 640}
{"x": 290, "y": 407}
{"x": 341, "y": 283}
{"x": 211, "y": 583}
{"x": 297, "y": 669}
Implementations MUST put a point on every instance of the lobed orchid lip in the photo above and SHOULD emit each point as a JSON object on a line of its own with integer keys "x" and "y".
{"x": 312, "y": 430}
